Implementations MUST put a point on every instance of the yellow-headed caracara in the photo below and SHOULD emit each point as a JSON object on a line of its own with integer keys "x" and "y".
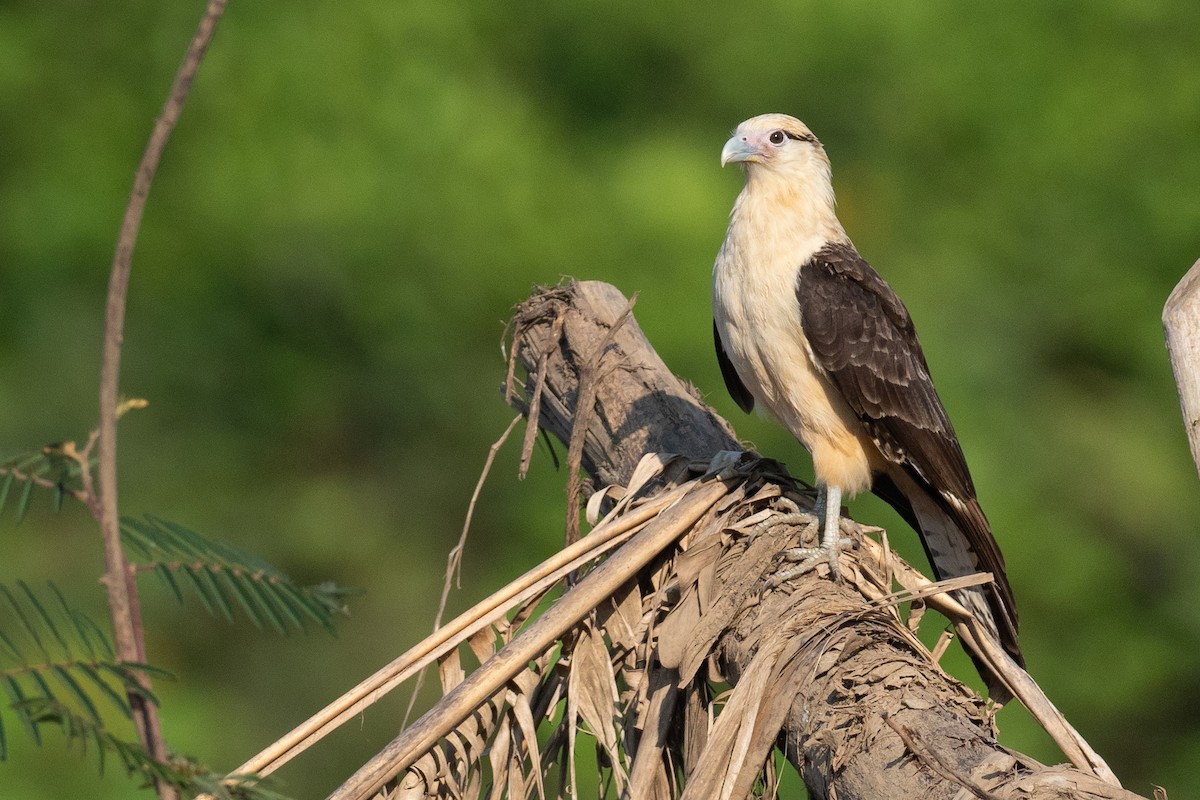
{"x": 807, "y": 329}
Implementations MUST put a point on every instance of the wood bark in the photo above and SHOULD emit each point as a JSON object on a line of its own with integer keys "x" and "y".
{"x": 641, "y": 407}
{"x": 1181, "y": 321}
{"x": 863, "y": 710}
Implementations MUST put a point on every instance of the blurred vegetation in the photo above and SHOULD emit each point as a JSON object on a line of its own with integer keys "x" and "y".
{"x": 359, "y": 192}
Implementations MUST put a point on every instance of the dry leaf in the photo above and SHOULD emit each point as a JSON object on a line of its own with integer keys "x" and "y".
{"x": 450, "y": 670}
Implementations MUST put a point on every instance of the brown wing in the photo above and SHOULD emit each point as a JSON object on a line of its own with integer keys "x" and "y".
{"x": 741, "y": 395}
{"x": 863, "y": 338}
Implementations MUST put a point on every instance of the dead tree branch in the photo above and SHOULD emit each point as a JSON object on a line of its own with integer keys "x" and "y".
{"x": 676, "y": 596}
{"x": 845, "y": 688}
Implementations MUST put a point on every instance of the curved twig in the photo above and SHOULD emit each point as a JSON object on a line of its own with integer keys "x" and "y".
{"x": 118, "y": 579}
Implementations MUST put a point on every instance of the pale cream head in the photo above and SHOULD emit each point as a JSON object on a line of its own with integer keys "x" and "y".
{"x": 785, "y": 166}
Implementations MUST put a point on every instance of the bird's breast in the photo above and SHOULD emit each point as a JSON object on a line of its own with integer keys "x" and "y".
{"x": 757, "y": 314}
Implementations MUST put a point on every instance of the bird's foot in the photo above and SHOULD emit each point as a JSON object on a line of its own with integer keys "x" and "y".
{"x": 791, "y": 516}
{"x": 832, "y": 541}
{"x": 811, "y": 557}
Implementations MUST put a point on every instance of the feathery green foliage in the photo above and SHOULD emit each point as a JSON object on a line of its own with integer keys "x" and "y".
{"x": 181, "y": 772}
{"x": 49, "y": 468}
{"x": 51, "y": 653}
{"x": 58, "y": 670}
{"x": 223, "y": 576}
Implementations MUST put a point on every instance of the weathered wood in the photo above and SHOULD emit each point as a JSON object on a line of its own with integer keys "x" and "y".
{"x": 865, "y": 712}
{"x": 641, "y": 407}
{"x": 1181, "y": 321}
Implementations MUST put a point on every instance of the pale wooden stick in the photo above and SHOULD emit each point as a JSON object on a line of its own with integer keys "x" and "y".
{"x": 1181, "y": 321}
{"x": 484, "y": 682}
{"x": 602, "y": 538}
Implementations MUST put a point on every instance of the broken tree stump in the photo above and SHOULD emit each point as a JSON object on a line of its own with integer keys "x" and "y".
{"x": 856, "y": 702}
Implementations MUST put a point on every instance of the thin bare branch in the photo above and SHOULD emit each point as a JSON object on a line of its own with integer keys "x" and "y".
{"x": 118, "y": 579}
{"x": 454, "y": 559}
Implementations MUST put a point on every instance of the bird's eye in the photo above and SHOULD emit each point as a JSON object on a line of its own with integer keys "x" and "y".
{"x": 776, "y": 138}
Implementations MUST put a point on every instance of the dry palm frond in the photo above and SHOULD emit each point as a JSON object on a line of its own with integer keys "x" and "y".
{"x": 634, "y": 675}
{"x": 601, "y": 677}
{"x": 673, "y": 667}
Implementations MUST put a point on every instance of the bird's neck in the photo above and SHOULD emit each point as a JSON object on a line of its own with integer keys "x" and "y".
{"x": 789, "y": 216}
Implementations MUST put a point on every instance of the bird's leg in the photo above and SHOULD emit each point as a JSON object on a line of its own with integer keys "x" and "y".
{"x": 828, "y": 507}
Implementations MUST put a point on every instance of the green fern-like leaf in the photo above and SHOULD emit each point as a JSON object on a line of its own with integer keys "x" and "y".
{"x": 188, "y": 776}
{"x": 49, "y": 468}
{"x": 52, "y": 653}
{"x": 225, "y": 578}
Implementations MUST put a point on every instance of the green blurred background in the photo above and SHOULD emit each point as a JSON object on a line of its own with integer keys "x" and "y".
{"x": 359, "y": 192}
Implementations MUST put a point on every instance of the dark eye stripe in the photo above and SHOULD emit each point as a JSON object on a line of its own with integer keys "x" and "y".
{"x": 808, "y": 137}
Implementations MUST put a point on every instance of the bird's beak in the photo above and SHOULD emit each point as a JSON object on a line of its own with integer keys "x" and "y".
{"x": 739, "y": 149}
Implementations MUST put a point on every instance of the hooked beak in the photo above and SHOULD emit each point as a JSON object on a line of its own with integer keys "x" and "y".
{"x": 739, "y": 149}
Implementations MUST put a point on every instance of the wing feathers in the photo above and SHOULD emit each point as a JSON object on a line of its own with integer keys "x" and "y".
{"x": 741, "y": 395}
{"x": 862, "y": 336}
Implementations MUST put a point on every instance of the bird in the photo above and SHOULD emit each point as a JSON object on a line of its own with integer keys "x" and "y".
{"x": 807, "y": 330}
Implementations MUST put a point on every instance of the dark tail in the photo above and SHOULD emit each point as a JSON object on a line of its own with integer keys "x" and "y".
{"x": 958, "y": 541}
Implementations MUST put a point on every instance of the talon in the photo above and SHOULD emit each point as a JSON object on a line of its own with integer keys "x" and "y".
{"x": 786, "y": 575}
{"x": 789, "y": 505}
{"x": 832, "y": 540}
{"x": 792, "y": 516}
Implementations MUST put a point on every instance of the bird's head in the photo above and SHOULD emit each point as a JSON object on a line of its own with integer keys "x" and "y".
{"x": 782, "y": 158}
